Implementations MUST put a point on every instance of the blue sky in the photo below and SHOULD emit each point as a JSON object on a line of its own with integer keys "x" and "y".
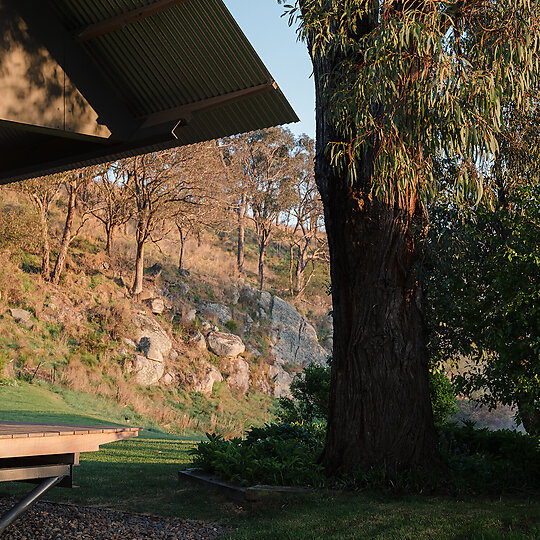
{"x": 285, "y": 57}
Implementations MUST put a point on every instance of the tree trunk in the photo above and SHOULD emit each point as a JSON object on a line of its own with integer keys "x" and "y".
{"x": 300, "y": 270}
{"x": 110, "y": 232}
{"x": 66, "y": 237}
{"x": 139, "y": 268}
{"x": 380, "y": 411}
{"x": 181, "y": 253}
{"x": 262, "y": 250}
{"x": 241, "y": 234}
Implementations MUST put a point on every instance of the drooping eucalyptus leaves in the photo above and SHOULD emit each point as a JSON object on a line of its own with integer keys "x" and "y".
{"x": 414, "y": 80}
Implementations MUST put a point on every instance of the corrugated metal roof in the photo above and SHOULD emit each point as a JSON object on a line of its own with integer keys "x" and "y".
{"x": 198, "y": 52}
{"x": 179, "y": 56}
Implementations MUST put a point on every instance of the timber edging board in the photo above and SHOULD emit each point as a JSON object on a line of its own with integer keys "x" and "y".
{"x": 250, "y": 494}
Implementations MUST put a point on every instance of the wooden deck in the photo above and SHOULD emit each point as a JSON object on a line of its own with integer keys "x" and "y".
{"x": 19, "y": 439}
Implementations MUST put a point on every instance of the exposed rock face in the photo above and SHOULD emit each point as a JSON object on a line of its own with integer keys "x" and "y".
{"x": 153, "y": 341}
{"x": 167, "y": 379}
{"x": 188, "y": 314}
{"x": 238, "y": 375}
{"x": 157, "y": 305}
{"x": 282, "y": 380}
{"x": 216, "y": 312}
{"x": 145, "y": 372}
{"x": 294, "y": 340}
{"x": 197, "y": 340}
{"x": 155, "y": 271}
{"x": 205, "y": 382}
{"x": 225, "y": 344}
{"x": 22, "y": 317}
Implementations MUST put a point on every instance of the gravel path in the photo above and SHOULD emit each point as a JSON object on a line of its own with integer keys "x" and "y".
{"x": 48, "y": 521}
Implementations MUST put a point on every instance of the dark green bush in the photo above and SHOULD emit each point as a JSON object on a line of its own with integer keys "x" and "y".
{"x": 310, "y": 397}
{"x": 490, "y": 461}
{"x": 277, "y": 454}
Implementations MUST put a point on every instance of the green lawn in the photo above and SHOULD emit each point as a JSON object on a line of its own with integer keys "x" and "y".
{"x": 140, "y": 475}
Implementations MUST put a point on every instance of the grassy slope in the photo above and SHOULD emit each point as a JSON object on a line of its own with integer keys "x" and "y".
{"x": 141, "y": 475}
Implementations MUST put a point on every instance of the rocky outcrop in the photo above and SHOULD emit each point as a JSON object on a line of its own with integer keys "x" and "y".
{"x": 204, "y": 382}
{"x": 294, "y": 340}
{"x": 281, "y": 380}
{"x": 196, "y": 340}
{"x": 238, "y": 378}
{"x": 152, "y": 339}
{"x": 215, "y": 312}
{"x": 225, "y": 344}
{"x": 22, "y": 317}
{"x": 156, "y": 305}
{"x": 145, "y": 372}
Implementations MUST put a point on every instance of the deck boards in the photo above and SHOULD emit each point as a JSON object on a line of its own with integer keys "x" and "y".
{"x": 21, "y": 439}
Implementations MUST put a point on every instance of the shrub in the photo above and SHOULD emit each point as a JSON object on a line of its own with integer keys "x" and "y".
{"x": 232, "y": 326}
{"x": 443, "y": 397}
{"x": 276, "y": 454}
{"x": 490, "y": 461}
{"x": 310, "y": 397}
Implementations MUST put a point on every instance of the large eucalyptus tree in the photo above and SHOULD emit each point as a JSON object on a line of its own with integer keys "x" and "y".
{"x": 398, "y": 82}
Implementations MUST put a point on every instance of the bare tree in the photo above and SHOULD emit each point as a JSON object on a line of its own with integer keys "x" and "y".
{"x": 263, "y": 159}
{"x": 42, "y": 192}
{"x": 109, "y": 200}
{"x": 305, "y": 219}
{"x": 160, "y": 186}
{"x": 74, "y": 184}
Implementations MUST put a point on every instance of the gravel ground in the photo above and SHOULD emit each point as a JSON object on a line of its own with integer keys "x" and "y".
{"x": 48, "y": 521}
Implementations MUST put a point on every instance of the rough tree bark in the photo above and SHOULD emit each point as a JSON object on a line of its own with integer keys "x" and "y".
{"x": 380, "y": 411}
{"x": 110, "y": 232}
{"x": 141, "y": 238}
{"x": 241, "y": 214}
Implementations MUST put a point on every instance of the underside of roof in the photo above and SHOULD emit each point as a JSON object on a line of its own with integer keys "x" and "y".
{"x": 88, "y": 81}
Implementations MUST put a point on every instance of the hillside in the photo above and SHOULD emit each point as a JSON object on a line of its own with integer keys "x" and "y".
{"x": 199, "y": 350}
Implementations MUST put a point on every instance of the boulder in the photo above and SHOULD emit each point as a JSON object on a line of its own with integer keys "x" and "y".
{"x": 204, "y": 382}
{"x": 216, "y": 312}
{"x": 167, "y": 379}
{"x": 282, "y": 381}
{"x": 196, "y": 340}
{"x": 225, "y": 344}
{"x": 145, "y": 372}
{"x": 188, "y": 314}
{"x": 238, "y": 375}
{"x": 153, "y": 340}
{"x": 154, "y": 271}
{"x": 294, "y": 340}
{"x": 22, "y": 317}
{"x": 20, "y": 314}
{"x": 156, "y": 305}
{"x": 173, "y": 355}
{"x": 184, "y": 273}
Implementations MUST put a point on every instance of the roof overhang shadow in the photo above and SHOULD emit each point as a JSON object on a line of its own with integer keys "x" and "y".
{"x": 89, "y": 81}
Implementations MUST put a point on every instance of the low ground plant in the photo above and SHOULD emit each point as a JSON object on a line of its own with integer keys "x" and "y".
{"x": 276, "y": 454}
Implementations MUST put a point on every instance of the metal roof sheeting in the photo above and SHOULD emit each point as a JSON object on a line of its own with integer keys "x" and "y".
{"x": 182, "y": 55}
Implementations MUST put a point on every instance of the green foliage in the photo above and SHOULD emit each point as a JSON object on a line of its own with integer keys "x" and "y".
{"x": 484, "y": 300}
{"x": 232, "y": 326}
{"x": 310, "y": 396}
{"x": 490, "y": 461}
{"x": 443, "y": 397}
{"x": 276, "y": 454}
{"x": 419, "y": 79}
